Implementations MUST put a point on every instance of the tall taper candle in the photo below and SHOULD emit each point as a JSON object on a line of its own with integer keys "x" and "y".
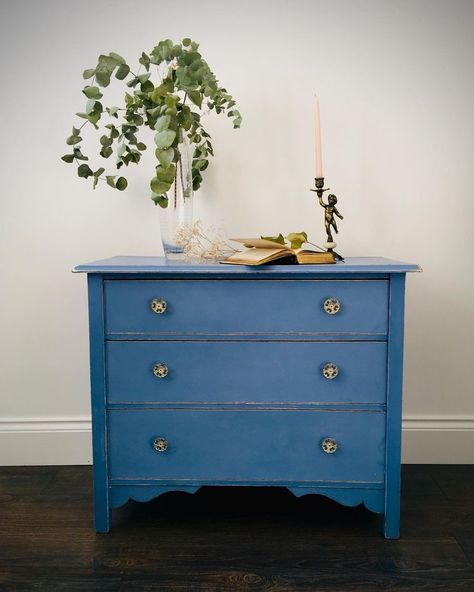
{"x": 317, "y": 139}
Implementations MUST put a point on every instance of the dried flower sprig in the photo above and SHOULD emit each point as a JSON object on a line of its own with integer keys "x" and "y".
{"x": 203, "y": 243}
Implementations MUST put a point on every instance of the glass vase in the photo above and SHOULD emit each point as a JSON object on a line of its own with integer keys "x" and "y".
{"x": 179, "y": 211}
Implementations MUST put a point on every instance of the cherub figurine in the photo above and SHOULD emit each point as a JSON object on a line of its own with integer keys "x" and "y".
{"x": 329, "y": 211}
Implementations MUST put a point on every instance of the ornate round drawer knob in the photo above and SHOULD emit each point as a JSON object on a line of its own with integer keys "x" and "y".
{"x": 332, "y": 306}
{"x": 330, "y": 371}
{"x": 160, "y": 444}
{"x": 160, "y": 370}
{"x": 158, "y": 305}
{"x": 329, "y": 445}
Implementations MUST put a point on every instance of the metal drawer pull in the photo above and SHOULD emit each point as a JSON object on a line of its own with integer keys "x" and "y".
{"x": 330, "y": 371}
{"x": 160, "y": 370}
{"x": 329, "y": 445}
{"x": 160, "y": 444}
{"x": 158, "y": 305}
{"x": 331, "y": 306}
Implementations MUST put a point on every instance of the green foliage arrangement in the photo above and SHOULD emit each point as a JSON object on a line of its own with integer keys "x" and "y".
{"x": 171, "y": 107}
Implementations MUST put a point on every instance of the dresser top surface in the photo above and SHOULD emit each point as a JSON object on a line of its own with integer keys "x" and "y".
{"x": 160, "y": 265}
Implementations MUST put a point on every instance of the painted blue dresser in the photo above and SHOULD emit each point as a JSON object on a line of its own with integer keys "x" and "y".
{"x": 217, "y": 374}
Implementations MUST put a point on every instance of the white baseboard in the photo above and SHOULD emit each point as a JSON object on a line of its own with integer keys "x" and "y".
{"x": 67, "y": 440}
{"x": 45, "y": 441}
{"x": 438, "y": 440}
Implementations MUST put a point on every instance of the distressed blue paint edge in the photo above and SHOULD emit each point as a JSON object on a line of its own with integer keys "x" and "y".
{"x": 177, "y": 483}
{"x": 259, "y": 271}
{"x": 121, "y": 495}
{"x": 237, "y": 408}
{"x": 394, "y": 407}
{"x": 274, "y": 276}
{"x": 98, "y": 403}
{"x": 373, "y": 499}
{"x": 273, "y": 271}
{"x": 246, "y": 337}
{"x": 159, "y": 265}
{"x": 350, "y": 494}
{"x": 266, "y": 406}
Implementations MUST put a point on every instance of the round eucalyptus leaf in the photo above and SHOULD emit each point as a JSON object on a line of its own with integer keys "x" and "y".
{"x": 160, "y": 200}
{"x": 105, "y": 141}
{"x": 84, "y": 170}
{"x": 106, "y": 152}
{"x": 162, "y": 123}
{"x": 158, "y": 186}
{"x": 122, "y": 71}
{"x": 92, "y": 92}
{"x": 103, "y": 78}
{"x": 164, "y": 139}
{"x": 121, "y": 183}
{"x": 73, "y": 140}
{"x": 165, "y": 156}
{"x": 88, "y": 73}
{"x": 166, "y": 174}
{"x": 116, "y": 57}
{"x": 93, "y": 117}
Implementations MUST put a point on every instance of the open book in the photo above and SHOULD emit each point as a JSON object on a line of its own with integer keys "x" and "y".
{"x": 263, "y": 251}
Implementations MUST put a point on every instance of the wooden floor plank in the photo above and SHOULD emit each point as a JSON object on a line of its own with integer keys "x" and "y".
{"x": 456, "y": 481}
{"x": 232, "y": 538}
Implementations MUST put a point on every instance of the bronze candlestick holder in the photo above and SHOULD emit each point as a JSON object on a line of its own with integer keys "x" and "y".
{"x": 330, "y": 211}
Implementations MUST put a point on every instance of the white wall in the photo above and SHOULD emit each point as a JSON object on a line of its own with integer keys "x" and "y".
{"x": 396, "y": 86}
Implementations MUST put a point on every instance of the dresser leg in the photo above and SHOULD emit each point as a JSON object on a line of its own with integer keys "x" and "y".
{"x": 103, "y": 518}
{"x": 391, "y": 527}
{"x": 99, "y": 404}
{"x": 394, "y": 407}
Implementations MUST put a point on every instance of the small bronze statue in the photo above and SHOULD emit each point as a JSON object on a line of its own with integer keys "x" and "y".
{"x": 330, "y": 211}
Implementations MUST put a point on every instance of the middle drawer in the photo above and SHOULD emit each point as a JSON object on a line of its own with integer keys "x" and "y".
{"x": 246, "y": 372}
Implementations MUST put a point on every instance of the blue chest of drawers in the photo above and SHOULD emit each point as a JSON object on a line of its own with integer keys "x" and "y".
{"x": 226, "y": 375}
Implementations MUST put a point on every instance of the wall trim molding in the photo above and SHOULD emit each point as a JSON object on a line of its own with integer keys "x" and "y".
{"x": 84, "y": 424}
{"x": 45, "y": 424}
{"x": 429, "y": 439}
{"x": 438, "y": 422}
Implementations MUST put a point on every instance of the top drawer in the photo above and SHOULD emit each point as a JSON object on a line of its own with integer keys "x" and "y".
{"x": 245, "y": 308}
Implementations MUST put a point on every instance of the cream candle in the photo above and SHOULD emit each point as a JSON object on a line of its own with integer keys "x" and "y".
{"x": 317, "y": 139}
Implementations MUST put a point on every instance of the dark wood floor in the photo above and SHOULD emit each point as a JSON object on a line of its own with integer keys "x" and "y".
{"x": 233, "y": 538}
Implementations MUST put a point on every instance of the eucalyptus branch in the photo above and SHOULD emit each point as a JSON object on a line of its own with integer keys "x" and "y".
{"x": 157, "y": 106}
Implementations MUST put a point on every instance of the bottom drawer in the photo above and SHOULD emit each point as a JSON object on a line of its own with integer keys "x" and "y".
{"x": 241, "y": 445}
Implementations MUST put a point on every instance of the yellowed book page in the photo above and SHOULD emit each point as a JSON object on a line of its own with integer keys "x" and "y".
{"x": 255, "y": 256}
{"x": 314, "y": 257}
{"x": 309, "y": 251}
{"x": 260, "y": 243}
